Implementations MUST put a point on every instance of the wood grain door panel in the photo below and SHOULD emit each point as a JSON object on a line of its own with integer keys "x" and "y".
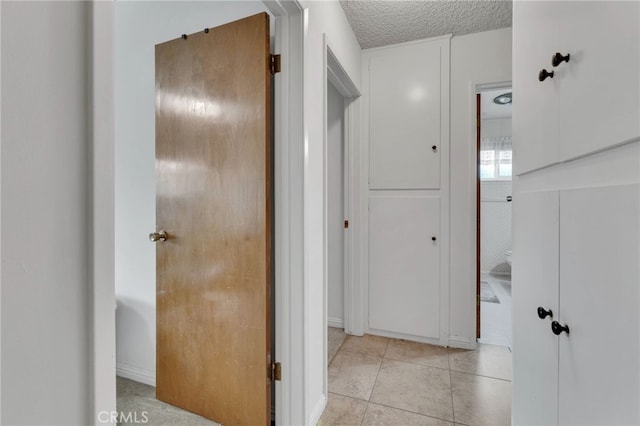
{"x": 213, "y": 186}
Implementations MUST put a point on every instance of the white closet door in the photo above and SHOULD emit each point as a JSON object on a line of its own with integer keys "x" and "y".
{"x": 600, "y": 84}
{"x": 536, "y": 103}
{"x": 535, "y": 284}
{"x": 599, "y": 301}
{"x": 404, "y": 265}
{"x": 405, "y": 112}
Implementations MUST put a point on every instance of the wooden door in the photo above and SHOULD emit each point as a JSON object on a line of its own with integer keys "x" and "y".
{"x": 213, "y": 186}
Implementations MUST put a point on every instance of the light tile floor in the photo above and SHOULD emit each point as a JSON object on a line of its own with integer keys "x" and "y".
{"x": 496, "y": 318}
{"x": 379, "y": 381}
{"x": 137, "y": 404}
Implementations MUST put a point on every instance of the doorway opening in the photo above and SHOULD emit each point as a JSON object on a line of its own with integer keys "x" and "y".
{"x": 340, "y": 205}
{"x": 337, "y": 222}
{"x": 493, "y": 238}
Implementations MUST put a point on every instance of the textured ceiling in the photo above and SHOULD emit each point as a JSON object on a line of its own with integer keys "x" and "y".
{"x": 384, "y": 22}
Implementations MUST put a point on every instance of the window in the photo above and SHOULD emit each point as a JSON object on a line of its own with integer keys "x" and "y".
{"x": 495, "y": 158}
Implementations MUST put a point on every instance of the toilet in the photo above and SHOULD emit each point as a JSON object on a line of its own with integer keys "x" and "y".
{"x": 507, "y": 255}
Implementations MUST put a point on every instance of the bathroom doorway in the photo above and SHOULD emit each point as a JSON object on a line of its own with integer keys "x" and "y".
{"x": 493, "y": 271}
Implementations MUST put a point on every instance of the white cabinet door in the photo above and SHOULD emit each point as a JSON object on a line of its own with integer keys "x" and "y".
{"x": 535, "y": 103}
{"x": 535, "y": 284}
{"x": 599, "y": 301}
{"x": 404, "y": 265}
{"x": 600, "y": 85}
{"x": 405, "y": 112}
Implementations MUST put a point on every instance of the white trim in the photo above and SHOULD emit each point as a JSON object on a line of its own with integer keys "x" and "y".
{"x": 335, "y": 322}
{"x": 0, "y": 214}
{"x": 354, "y": 284}
{"x": 318, "y": 409}
{"x": 485, "y": 87}
{"x": 473, "y": 89}
{"x": 136, "y": 374}
{"x": 335, "y": 73}
{"x": 462, "y": 342}
{"x": 445, "y": 193}
{"x": 102, "y": 204}
{"x": 289, "y": 216}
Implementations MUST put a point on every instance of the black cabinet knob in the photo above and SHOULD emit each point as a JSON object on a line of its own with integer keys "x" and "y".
{"x": 509, "y": 198}
{"x": 433, "y": 238}
{"x": 433, "y": 147}
{"x": 542, "y": 76}
{"x": 558, "y": 329}
{"x": 558, "y": 58}
{"x": 543, "y": 313}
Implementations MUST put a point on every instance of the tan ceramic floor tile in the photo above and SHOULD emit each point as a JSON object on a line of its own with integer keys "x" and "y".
{"x": 353, "y": 374}
{"x": 481, "y": 400}
{"x": 487, "y": 360}
{"x": 419, "y": 353}
{"x": 379, "y": 415}
{"x": 412, "y": 387}
{"x": 367, "y": 345}
{"x": 335, "y": 339}
{"x": 342, "y": 410}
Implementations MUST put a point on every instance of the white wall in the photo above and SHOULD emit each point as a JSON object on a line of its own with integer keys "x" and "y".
{"x": 335, "y": 206}
{"x": 475, "y": 59}
{"x": 45, "y": 209}
{"x": 322, "y": 18}
{"x": 139, "y": 26}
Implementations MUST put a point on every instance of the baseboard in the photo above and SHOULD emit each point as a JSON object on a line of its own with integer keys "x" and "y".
{"x": 136, "y": 374}
{"x": 409, "y": 337}
{"x": 462, "y": 342}
{"x": 335, "y": 322}
{"x": 317, "y": 411}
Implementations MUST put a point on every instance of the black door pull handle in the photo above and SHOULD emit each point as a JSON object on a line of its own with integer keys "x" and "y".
{"x": 558, "y": 329}
{"x": 559, "y": 58}
{"x": 542, "y": 76}
{"x": 543, "y": 313}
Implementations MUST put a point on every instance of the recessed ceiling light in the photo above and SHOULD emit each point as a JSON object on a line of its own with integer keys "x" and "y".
{"x": 504, "y": 99}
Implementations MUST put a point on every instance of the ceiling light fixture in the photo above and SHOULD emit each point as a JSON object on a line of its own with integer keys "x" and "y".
{"x": 504, "y": 99}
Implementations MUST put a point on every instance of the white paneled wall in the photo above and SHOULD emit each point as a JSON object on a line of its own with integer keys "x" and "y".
{"x": 406, "y": 126}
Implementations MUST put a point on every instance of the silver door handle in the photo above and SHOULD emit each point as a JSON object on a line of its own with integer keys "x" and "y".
{"x": 158, "y": 236}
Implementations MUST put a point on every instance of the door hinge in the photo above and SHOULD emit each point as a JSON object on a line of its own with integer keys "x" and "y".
{"x": 276, "y": 371}
{"x": 346, "y": 224}
{"x": 275, "y": 64}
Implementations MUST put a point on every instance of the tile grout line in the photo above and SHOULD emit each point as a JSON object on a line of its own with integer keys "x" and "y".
{"x": 453, "y": 407}
{"x": 374, "y": 382}
{"x": 411, "y": 412}
{"x": 379, "y": 368}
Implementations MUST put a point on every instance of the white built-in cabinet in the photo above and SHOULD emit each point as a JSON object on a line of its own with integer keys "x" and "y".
{"x": 590, "y": 102}
{"x": 576, "y": 218}
{"x": 406, "y": 120}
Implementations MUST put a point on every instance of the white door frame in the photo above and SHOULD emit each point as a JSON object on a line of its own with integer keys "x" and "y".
{"x": 476, "y": 88}
{"x": 289, "y": 229}
{"x": 335, "y": 73}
